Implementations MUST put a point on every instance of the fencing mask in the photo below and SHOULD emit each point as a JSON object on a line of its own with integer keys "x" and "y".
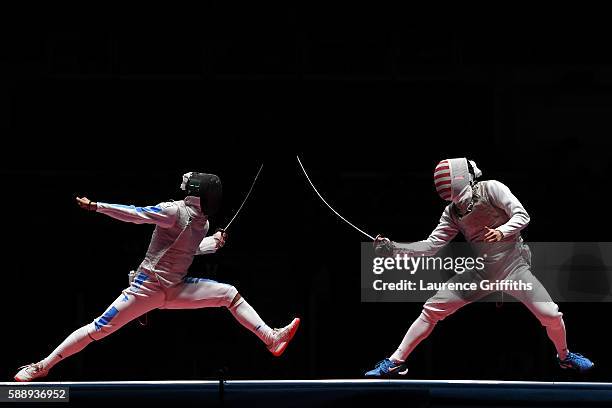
{"x": 453, "y": 179}
{"x": 207, "y": 187}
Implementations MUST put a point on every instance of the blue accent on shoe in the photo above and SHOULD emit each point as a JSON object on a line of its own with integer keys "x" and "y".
{"x": 576, "y": 362}
{"x": 386, "y": 368}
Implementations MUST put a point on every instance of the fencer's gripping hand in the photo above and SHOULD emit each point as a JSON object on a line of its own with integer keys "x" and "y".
{"x": 493, "y": 235}
{"x": 220, "y": 237}
{"x": 87, "y": 204}
{"x": 383, "y": 246}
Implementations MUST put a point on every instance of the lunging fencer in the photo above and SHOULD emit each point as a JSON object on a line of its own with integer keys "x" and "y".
{"x": 490, "y": 217}
{"x": 160, "y": 282}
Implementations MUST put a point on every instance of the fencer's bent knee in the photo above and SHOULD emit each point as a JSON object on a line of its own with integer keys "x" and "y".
{"x": 434, "y": 312}
{"x": 229, "y": 297}
{"x": 427, "y": 318}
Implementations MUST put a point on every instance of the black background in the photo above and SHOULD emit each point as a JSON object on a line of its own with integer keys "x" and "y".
{"x": 118, "y": 108}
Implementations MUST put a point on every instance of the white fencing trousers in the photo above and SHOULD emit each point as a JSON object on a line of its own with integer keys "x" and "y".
{"x": 514, "y": 267}
{"x": 146, "y": 294}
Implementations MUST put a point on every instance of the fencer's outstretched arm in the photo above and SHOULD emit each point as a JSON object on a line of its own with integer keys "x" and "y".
{"x": 162, "y": 214}
{"x": 502, "y": 198}
{"x": 440, "y": 236}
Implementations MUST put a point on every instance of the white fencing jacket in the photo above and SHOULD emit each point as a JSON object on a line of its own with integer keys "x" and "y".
{"x": 494, "y": 206}
{"x": 180, "y": 233}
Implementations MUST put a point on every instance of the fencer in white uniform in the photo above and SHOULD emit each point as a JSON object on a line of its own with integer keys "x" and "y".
{"x": 160, "y": 282}
{"x": 490, "y": 217}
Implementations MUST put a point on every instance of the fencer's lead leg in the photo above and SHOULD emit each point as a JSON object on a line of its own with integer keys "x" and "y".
{"x": 395, "y": 366}
{"x": 420, "y": 330}
{"x": 275, "y": 340}
{"x": 443, "y": 304}
{"x": 197, "y": 293}
{"x": 248, "y": 317}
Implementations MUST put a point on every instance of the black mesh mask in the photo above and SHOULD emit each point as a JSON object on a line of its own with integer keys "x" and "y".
{"x": 208, "y": 188}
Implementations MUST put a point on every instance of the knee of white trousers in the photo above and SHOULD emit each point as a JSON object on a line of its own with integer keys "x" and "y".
{"x": 229, "y": 296}
{"x": 97, "y": 331}
{"x": 82, "y": 334}
{"x": 434, "y": 312}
